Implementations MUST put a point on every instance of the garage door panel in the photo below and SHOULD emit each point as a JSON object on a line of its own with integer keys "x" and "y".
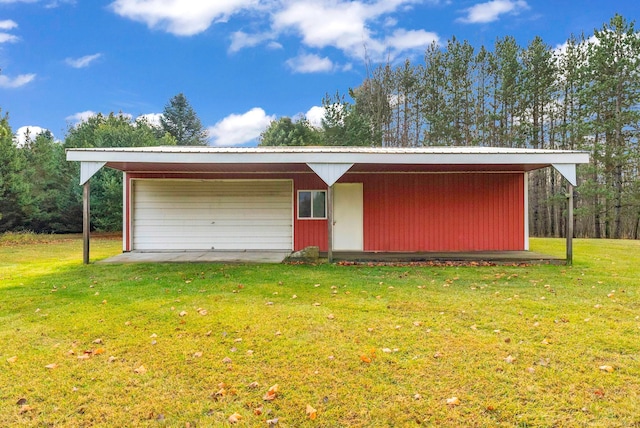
{"x": 204, "y": 215}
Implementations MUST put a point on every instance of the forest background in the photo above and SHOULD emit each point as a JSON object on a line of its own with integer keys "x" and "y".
{"x": 582, "y": 96}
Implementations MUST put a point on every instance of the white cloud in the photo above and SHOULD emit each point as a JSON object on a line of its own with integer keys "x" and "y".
{"x": 180, "y": 17}
{"x": 20, "y": 136}
{"x": 310, "y": 63}
{"x": 7, "y": 24}
{"x": 358, "y": 28}
{"x": 315, "y": 115}
{"x": 490, "y": 11}
{"x": 237, "y": 129}
{"x": 349, "y": 26}
{"x": 82, "y": 62}
{"x": 152, "y": 119}
{"x": 82, "y": 116}
{"x": 16, "y": 82}
{"x": 402, "y": 40}
{"x": 8, "y": 38}
{"x": 240, "y": 40}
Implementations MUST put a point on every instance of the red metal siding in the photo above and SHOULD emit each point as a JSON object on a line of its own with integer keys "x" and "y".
{"x": 414, "y": 211}
{"x": 442, "y": 212}
{"x": 308, "y": 232}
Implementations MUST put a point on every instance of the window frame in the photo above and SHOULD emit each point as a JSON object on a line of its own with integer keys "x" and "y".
{"x": 313, "y": 192}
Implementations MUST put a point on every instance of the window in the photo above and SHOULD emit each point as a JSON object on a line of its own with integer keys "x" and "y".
{"x": 312, "y": 204}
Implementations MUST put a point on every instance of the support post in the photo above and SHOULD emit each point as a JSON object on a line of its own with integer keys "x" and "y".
{"x": 570, "y": 225}
{"x": 86, "y": 222}
{"x": 330, "y": 224}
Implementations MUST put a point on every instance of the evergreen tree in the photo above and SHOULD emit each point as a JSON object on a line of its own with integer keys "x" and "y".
{"x": 180, "y": 120}
{"x": 13, "y": 188}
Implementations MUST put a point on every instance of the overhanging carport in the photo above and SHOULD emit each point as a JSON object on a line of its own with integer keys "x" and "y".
{"x": 328, "y": 163}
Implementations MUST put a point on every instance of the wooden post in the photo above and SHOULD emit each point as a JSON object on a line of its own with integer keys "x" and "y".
{"x": 86, "y": 222}
{"x": 570, "y": 225}
{"x": 330, "y": 224}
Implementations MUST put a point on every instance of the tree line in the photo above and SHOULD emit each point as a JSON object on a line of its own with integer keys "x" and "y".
{"x": 584, "y": 95}
{"x": 39, "y": 189}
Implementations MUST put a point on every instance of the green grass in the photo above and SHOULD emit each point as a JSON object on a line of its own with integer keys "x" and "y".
{"x": 449, "y": 330}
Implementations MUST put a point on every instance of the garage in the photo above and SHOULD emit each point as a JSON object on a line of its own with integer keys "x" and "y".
{"x": 209, "y": 215}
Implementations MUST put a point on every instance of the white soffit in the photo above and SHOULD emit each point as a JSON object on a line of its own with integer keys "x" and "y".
{"x": 88, "y": 169}
{"x": 330, "y": 172}
{"x": 568, "y": 171}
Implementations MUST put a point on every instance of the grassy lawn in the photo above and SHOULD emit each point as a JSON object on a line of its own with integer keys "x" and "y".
{"x": 365, "y": 346}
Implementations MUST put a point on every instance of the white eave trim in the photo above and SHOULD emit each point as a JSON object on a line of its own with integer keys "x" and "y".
{"x": 372, "y": 156}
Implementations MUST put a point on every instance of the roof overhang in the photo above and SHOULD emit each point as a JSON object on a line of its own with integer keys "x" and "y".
{"x": 330, "y": 163}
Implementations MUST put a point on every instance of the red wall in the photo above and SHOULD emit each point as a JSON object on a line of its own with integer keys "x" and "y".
{"x": 442, "y": 212}
{"x": 417, "y": 212}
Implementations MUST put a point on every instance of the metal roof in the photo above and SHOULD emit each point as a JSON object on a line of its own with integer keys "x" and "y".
{"x": 205, "y": 158}
{"x": 324, "y": 149}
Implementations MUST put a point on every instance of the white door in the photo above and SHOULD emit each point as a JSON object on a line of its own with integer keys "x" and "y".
{"x": 212, "y": 215}
{"x": 347, "y": 217}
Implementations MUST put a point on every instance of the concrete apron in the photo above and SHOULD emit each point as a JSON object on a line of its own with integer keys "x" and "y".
{"x": 199, "y": 257}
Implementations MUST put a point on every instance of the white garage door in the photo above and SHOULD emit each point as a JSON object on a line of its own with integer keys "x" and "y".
{"x": 212, "y": 215}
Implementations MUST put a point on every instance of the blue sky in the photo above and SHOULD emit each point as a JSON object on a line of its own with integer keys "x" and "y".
{"x": 241, "y": 63}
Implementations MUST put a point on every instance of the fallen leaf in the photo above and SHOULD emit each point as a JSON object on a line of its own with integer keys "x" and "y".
{"x": 140, "y": 370}
{"x": 253, "y": 385}
{"x": 272, "y": 422}
{"x": 386, "y": 350}
{"x": 531, "y": 370}
{"x": 203, "y": 312}
{"x": 98, "y": 341}
{"x": 84, "y": 357}
{"x": 316, "y": 304}
{"x": 258, "y": 410}
{"x": 197, "y": 354}
{"x": 111, "y": 359}
{"x": 417, "y": 397}
{"x": 25, "y": 408}
{"x": 220, "y": 393}
{"x": 331, "y": 316}
{"x": 453, "y": 401}
{"x": 365, "y": 359}
{"x": 235, "y": 418}
{"x": 22, "y": 402}
{"x": 12, "y": 359}
{"x": 98, "y": 351}
{"x": 227, "y": 360}
{"x": 417, "y": 323}
{"x": 607, "y": 369}
{"x": 311, "y": 412}
{"x": 183, "y": 313}
{"x": 271, "y": 393}
{"x": 509, "y": 359}
{"x": 51, "y": 366}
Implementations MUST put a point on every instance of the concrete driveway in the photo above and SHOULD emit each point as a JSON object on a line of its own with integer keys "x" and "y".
{"x": 199, "y": 257}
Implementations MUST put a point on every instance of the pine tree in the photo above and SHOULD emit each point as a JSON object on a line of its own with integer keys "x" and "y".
{"x": 180, "y": 120}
